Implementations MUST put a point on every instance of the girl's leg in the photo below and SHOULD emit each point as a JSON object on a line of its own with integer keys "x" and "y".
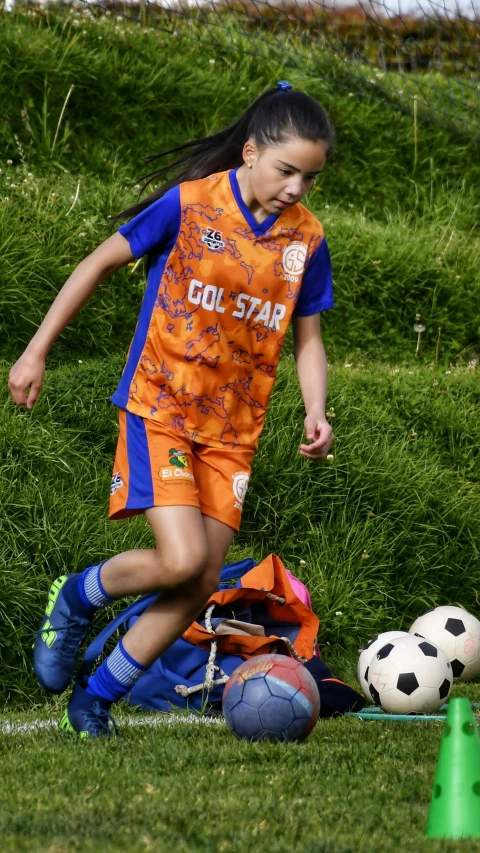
{"x": 164, "y": 621}
{"x": 174, "y": 612}
{"x": 179, "y": 557}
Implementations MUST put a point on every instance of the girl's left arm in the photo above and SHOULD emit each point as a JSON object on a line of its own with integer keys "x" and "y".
{"x": 311, "y": 363}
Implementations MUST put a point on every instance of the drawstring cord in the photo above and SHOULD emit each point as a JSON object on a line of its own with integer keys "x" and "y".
{"x": 212, "y": 669}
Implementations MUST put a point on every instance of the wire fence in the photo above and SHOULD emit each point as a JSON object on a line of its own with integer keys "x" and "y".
{"x": 425, "y": 60}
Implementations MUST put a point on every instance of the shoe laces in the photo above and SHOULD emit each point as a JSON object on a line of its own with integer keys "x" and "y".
{"x": 99, "y": 721}
{"x": 70, "y": 637}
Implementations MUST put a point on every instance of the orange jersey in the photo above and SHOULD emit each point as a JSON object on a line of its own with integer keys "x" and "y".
{"x": 220, "y": 295}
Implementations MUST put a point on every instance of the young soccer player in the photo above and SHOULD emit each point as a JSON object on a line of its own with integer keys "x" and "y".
{"x": 233, "y": 257}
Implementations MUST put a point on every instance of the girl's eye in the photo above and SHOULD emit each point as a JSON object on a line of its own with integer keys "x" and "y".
{"x": 284, "y": 171}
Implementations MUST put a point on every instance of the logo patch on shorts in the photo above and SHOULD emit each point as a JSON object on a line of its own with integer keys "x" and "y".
{"x": 240, "y": 486}
{"x": 117, "y": 482}
{"x": 175, "y": 475}
{"x": 178, "y": 458}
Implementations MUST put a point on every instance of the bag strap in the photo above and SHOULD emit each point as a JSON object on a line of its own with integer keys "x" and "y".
{"x": 233, "y": 571}
{"x": 95, "y": 649}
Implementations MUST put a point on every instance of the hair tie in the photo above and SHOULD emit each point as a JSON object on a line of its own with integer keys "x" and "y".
{"x": 284, "y": 86}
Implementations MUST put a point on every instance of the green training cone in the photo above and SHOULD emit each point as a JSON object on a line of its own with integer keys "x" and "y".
{"x": 455, "y": 804}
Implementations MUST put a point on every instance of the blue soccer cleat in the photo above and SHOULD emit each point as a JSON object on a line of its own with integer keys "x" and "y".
{"x": 58, "y": 641}
{"x": 87, "y": 716}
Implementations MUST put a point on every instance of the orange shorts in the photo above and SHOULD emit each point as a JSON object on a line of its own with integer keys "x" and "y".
{"x": 158, "y": 466}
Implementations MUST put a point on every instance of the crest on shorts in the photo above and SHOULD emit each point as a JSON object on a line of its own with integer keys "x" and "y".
{"x": 239, "y": 486}
{"x": 177, "y": 458}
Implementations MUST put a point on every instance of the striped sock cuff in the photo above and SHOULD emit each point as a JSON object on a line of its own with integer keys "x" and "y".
{"x": 92, "y": 587}
{"x": 123, "y": 667}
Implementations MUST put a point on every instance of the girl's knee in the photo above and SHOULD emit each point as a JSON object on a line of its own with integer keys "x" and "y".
{"x": 181, "y": 567}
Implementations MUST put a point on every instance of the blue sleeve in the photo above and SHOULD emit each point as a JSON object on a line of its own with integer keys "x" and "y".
{"x": 155, "y": 227}
{"x": 316, "y": 291}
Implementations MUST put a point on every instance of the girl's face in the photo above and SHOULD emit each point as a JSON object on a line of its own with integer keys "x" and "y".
{"x": 280, "y": 175}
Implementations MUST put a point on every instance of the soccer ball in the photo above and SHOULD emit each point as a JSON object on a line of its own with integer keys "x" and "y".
{"x": 407, "y": 678}
{"x": 271, "y": 697}
{"x": 368, "y": 652}
{"x": 457, "y": 633}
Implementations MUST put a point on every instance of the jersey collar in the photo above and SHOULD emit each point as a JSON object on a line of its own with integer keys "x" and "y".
{"x": 258, "y": 228}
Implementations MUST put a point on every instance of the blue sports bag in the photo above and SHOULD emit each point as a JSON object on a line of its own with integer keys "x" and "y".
{"x": 192, "y": 678}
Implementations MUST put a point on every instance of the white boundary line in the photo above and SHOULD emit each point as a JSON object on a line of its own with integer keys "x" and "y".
{"x": 18, "y": 728}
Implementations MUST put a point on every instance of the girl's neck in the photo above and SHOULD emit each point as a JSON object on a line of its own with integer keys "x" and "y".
{"x": 243, "y": 179}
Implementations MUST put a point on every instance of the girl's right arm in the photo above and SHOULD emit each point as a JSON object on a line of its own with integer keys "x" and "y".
{"x": 27, "y": 373}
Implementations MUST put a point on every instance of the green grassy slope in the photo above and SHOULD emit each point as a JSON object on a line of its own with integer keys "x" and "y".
{"x": 403, "y": 488}
{"x": 386, "y": 530}
{"x": 403, "y": 235}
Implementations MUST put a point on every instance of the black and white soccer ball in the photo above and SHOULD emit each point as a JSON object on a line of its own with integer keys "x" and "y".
{"x": 407, "y": 678}
{"x": 457, "y": 633}
{"x": 368, "y": 652}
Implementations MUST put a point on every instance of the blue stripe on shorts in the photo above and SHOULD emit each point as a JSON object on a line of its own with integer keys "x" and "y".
{"x": 140, "y": 484}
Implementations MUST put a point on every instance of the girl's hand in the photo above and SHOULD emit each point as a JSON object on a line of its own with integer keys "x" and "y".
{"x": 26, "y": 375}
{"x": 320, "y": 432}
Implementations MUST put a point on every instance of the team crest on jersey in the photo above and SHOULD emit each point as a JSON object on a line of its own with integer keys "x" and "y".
{"x": 177, "y": 458}
{"x": 213, "y": 239}
{"x": 293, "y": 260}
{"x": 239, "y": 486}
{"x": 117, "y": 482}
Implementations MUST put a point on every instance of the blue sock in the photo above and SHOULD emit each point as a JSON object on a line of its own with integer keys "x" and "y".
{"x": 116, "y": 675}
{"x": 90, "y": 589}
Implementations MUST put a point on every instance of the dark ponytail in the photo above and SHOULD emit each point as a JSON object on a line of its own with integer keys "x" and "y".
{"x": 275, "y": 115}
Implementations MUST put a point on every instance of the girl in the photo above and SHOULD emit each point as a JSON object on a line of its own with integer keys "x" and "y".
{"x": 232, "y": 258}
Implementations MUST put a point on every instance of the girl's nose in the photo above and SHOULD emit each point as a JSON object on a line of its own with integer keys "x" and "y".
{"x": 294, "y": 188}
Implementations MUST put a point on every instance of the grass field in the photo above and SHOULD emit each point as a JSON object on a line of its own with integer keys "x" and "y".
{"x": 352, "y": 787}
{"x": 381, "y": 533}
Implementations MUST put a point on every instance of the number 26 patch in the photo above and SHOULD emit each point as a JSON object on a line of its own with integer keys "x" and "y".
{"x": 213, "y": 239}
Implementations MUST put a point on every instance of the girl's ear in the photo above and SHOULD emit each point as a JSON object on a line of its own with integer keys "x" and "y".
{"x": 250, "y": 153}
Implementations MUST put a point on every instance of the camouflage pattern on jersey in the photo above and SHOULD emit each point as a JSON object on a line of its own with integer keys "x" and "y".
{"x": 221, "y": 313}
